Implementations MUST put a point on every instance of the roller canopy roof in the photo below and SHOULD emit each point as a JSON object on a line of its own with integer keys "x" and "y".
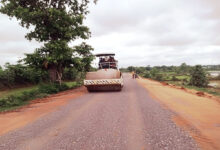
{"x": 105, "y": 54}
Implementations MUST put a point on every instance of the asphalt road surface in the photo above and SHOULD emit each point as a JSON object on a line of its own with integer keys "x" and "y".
{"x": 126, "y": 120}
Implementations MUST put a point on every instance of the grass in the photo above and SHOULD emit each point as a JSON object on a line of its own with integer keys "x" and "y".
{"x": 15, "y": 98}
{"x": 17, "y": 91}
{"x": 178, "y": 83}
{"x": 9, "y": 108}
{"x": 182, "y": 77}
{"x": 169, "y": 73}
{"x": 72, "y": 84}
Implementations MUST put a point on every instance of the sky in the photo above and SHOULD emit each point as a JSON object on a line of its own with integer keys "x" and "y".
{"x": 139, "y": 32}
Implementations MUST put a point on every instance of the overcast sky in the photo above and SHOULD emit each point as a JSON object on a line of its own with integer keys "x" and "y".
{"x": 140, "y": 32}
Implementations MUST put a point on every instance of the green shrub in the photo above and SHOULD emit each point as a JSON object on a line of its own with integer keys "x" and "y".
{"x": 70, "y": 73}
{"x": 28, "y": 95}
{"x": 52, "y": 88}
{"x": 12, "y": 100}
{"x": 48, "y": 88}
{"x": 146, "y": 75}
{"x": 158, "y": 77}
{"x": 154, "y": 72}
{"x": 61, "y": 87}
{"x": 42, "y": 91}
{"x": 174, "y": 78}
{"x": 41, "y": 95}
{"x": 20, "y": 74}
{"x": 198, "y": 77}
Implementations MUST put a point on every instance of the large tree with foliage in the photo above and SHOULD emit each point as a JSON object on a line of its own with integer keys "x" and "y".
{"x": 54, "y": 23}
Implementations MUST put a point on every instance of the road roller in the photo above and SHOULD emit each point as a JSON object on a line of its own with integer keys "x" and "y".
{"x": 107, "y": 77}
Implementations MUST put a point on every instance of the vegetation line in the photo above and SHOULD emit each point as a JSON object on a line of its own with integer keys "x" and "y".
{"x": 20, "y": 98}
{"x": 201, "y": 78}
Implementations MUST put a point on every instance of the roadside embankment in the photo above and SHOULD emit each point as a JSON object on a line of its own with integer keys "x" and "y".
{"x": 197, "y": 113}
{"x": 15, "y": 98}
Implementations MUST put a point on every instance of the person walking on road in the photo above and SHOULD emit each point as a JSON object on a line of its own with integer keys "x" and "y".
{"x": 133, "y": 74}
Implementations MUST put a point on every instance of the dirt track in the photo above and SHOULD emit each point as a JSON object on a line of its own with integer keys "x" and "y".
{"x": 129, "y": 119}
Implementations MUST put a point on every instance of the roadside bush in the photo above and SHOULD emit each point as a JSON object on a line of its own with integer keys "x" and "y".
{"x": 12, "y": 76}
{"x": 48, "y": 88}
{"x": 174, "y": 78}
{"x": 43, "y": 91}
{"x": 154, "y": 72}
{"x": 70, "y": 73}
{"x": 198, "y": 77}
{"x": 12, "y": 100}
{"x": 52, "y": 88}
{"x": 61, "y": 87}
{"x": 28, "y": 95}
{"x": 185, "y": 81}
{"x": 20, "y": 74}
{"x": 41, "y": 95}
{"x": 158, "y": 77}
{"x": 19, "y": 99}
{"x": 146, "y": 75}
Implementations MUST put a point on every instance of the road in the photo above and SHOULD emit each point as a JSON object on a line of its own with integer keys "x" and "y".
{"x": 126, "y": 120}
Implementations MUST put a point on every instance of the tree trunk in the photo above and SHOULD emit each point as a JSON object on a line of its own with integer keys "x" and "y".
{"x": 59, "y": 75}
{"x": 56, "y": 73}
{"x": 52, "y": 73}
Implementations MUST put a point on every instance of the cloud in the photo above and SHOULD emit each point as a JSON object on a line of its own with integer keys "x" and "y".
{"x": 13, "y": 42}
{"x": 212, "y": 8}
{"x": 141, "y": 32}
{"x": 10, "y": 30}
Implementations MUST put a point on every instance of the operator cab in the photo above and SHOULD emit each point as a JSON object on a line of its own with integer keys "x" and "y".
{"x": 107, "y": 61}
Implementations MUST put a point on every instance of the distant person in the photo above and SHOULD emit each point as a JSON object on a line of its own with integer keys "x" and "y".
{"x": 133, "y": 74}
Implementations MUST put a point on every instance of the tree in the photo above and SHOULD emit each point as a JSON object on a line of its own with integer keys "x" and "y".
{"x": 184, "y": 68}
{"x": 55, "y": 23}
{"x": 140, "y": 70}
{"x": 79, "y": 57}
{"x": 154, "y": 71}
{"x": 147, "y": 74}
{"x": 1, "y": 70}
{"x": 198, "y": 77}
{"x": 131, "y": 68}
{"x": 148, "y": 68}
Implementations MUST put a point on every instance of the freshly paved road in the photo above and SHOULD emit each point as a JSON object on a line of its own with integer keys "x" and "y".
{"x": 126, "y": 120}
